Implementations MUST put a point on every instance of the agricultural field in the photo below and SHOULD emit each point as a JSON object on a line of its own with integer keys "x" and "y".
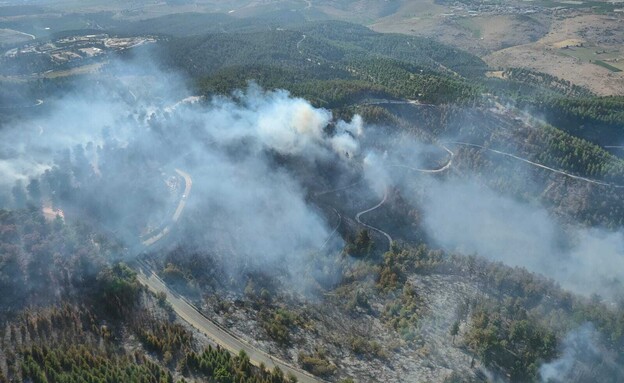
{"x": 611, "y": 59}
{"x": 584, "y": 49}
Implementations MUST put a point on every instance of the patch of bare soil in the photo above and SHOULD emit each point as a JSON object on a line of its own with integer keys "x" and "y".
{"x": 545, "y": 54}
{"x": 479, "y": 35}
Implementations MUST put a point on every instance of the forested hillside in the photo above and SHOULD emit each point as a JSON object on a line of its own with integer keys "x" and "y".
{"x": 407, "y": 67}
{"x": 436, "y": 220}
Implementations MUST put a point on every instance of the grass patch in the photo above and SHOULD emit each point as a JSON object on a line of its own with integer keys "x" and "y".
{"x": 608, "y": 66}
{"x": 471, "y": 27}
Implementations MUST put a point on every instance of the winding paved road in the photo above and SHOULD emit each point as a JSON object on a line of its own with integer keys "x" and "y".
{"x": 360, "y": 214}
{"x": 394, "y": 102}
{"x": 191, "y": 314}
{"x": 299, "y": 43}
{"x": 188, "y": 183}
{"x": 446, "y": 166}
{"x": 596, "y": 182}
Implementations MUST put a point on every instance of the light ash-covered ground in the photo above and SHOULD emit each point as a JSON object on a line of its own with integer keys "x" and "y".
{"x": 329, "y": 326}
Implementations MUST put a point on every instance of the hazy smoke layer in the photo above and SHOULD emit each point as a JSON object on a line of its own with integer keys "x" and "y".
{"x": 464, "y": 215}
{"x": 582, "y": 359}
{"x": 110, "y": 152}
{"x": 474, "y": 219}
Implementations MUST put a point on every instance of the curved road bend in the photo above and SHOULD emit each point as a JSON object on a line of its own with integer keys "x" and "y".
{"x": 37, "y": 103}
{"x": 299, "y": 43}
{"x": 358, "y": 215}
{"x": 385, "y": 197}
{"x": 596, "y": 182}
{"x": 430, "y": 171}
{"x": 188, "y": 183}
{"x": 188, "y": 312}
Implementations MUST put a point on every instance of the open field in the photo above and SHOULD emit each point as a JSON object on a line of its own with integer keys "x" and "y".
{"x": 607, "y": 66}
{"x": 9, "y": 37}
{"x": 612, "y": 60}
{"x": 528, "y": 34}
{"x": 80, "y": 70}
{"x": 592, "y": 59}
{"x": 522, "y": 36}
{"x": 76, "y": 71}
{"x": 600, "y": 80}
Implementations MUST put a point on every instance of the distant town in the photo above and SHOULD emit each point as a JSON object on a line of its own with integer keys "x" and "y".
{"x": 76, "y": 48}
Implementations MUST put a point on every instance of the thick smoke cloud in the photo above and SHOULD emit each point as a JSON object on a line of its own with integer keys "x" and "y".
{"x": 246, "y": 203}
{"x": 135, "y": 124}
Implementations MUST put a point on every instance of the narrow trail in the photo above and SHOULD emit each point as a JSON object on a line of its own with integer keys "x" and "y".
{"x": 360, "y": 214}
{"x": 589, "y": 180}
{"x": 299, "y": 44}
{"x": 338, "y": 189}
{"x": 331, "y": 235}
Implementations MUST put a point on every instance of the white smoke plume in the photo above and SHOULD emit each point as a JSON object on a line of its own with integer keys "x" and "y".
{"x": 582, "y": 359}
{"x": 253, "y": 208}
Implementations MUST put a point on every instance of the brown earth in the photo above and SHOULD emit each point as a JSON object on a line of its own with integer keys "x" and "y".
{"x": 545, "y": 54}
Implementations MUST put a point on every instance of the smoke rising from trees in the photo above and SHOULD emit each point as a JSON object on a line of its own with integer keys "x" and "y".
{"x": 110, "y": 157}
{"x": 104, "y": 151}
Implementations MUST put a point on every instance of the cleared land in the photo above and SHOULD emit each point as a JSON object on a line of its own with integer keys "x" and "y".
{"x": 524, "y": 37}
{"x": 10, "y": 36}
{"x": 593, "y": 57}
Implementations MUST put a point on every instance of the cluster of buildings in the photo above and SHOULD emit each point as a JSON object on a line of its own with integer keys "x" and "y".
{"x": 460, "y": 9}
{"x": 75, "y": 48}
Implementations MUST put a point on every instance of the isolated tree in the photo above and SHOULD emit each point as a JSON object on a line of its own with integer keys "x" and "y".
{"x": 454, "y": 330}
